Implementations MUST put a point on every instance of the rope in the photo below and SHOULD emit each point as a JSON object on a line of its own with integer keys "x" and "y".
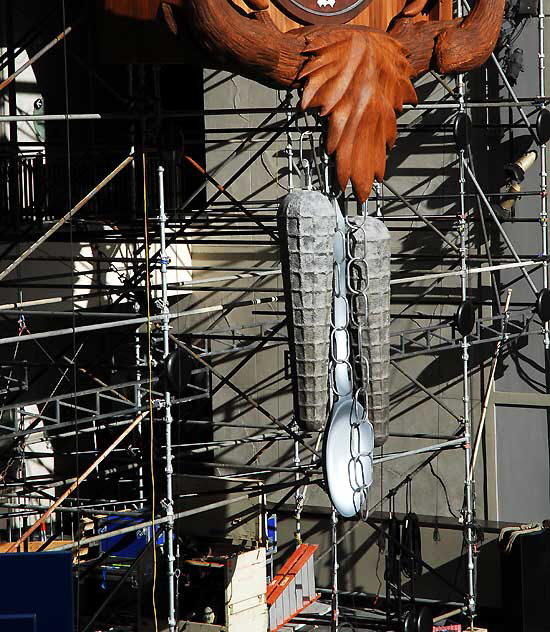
{"x": 532, "y": 528}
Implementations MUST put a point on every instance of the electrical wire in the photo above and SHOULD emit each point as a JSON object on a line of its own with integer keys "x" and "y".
{"x": 436, "y": 531}
{"x": 454, "y": 514}
{"x": 150, "y": 388}
{"x": 73, "y": 304}
{"x": 380, "y": 546}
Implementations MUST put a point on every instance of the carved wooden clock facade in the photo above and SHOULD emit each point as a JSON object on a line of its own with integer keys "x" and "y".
{"x": 354, "y": 67}
{"x": 323, "y": 11}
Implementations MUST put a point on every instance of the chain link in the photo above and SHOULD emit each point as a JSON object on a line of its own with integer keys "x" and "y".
{"x": 358, "y": 285}
{"x": 349, "y": 368}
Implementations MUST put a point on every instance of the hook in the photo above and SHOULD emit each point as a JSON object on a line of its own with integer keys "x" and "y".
{"x": 304, "y": 162}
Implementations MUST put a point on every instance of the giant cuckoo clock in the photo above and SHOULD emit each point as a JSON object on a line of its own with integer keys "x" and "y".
{"x": 319, "y": 11}
{"x": 353, "y": 60}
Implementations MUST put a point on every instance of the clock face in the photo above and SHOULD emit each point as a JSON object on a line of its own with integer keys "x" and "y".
{"x": 323, "y": 11}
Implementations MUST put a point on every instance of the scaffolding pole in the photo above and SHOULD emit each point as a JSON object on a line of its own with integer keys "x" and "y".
{"x": 168, "y": 504}
{"x": 469, "y": 500}
{"x": 35, "y": 58}
{"x": 543, "y": 216}
{"x": 15, "y": 545}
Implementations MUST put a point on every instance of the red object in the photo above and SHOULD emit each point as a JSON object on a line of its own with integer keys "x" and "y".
{"x": 288, "y": 571}
{"x": 447, "y": 628}
{"x": 284, "y": 578}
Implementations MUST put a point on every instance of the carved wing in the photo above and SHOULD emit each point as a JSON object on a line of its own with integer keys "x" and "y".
{"x": 359, "y": 79}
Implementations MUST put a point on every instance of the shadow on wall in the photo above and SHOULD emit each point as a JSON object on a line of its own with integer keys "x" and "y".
{"x": 448, "y": 372}
{"x": 488, "y": 579}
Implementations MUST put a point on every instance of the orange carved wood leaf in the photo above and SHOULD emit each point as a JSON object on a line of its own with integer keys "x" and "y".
{"x": 359, "y": 79}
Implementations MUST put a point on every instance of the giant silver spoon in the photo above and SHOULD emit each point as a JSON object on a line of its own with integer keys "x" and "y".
{"x": 349, "y": 436}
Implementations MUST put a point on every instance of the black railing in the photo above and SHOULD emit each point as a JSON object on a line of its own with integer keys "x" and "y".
{"x": 43, "y": 186}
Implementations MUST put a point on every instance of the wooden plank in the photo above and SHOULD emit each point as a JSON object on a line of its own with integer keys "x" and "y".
{"x": 34, "y": 546}
{"x": 245, "y": 607}
{"x": 246, "y": 576}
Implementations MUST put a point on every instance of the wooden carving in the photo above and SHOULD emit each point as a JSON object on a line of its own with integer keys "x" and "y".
{"x": 322, "y": 11}
{"x": 356, "y": 76}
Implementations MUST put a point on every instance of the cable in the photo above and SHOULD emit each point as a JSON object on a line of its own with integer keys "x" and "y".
{"x": 444, "y": 490}
{"x": 381, "y": 545}
{"x": 150, "y": 389}
{"x": 436, "y": 534}
{"x": 73, "y": 305}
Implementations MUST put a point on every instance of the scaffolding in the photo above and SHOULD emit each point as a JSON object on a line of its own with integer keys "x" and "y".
{"x": 133, "y": 284}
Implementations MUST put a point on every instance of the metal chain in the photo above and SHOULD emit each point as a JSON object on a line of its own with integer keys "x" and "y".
{"x": 357, "y": 287}
{"x": 349, "y": 368}
{"x": 341, "y": 371}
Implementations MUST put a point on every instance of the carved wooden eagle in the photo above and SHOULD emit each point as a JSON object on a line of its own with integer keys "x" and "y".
{"x": 356, "y": 76}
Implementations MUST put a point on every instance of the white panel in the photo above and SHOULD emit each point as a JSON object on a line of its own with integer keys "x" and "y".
{"x": 522, "y": 464}
{"x": 246, "y": 610}
{"x": 253, "y": 620}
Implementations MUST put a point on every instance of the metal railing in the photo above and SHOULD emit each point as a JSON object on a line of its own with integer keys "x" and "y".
{"x": 38, "y": 187}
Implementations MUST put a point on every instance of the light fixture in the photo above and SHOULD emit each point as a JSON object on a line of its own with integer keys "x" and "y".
{"x": 542, "y": 306}
{"x": 514, "y": 65}
{"x": 518, "y": 9}
{"x": 542, "y": 126}
{"x": 505, "y": 209}
{"x": 527, "y": 8}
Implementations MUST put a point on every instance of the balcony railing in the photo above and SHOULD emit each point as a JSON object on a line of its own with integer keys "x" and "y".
{"x": 43, "y": 186}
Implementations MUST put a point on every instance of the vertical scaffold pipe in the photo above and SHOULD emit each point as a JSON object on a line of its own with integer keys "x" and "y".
{"x": 469, "y": 507}
{"x": 137, "y": 403}
{"x": 543, "y": 217}
{"x": 169, "y": 502}
{"x": 469, "y": 499}
{"x": 335, "y": 619}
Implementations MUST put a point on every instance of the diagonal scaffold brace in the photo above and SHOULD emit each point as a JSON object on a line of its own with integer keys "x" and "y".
{"x": 13, "y": 547}
{"x": 66, "y": 217}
